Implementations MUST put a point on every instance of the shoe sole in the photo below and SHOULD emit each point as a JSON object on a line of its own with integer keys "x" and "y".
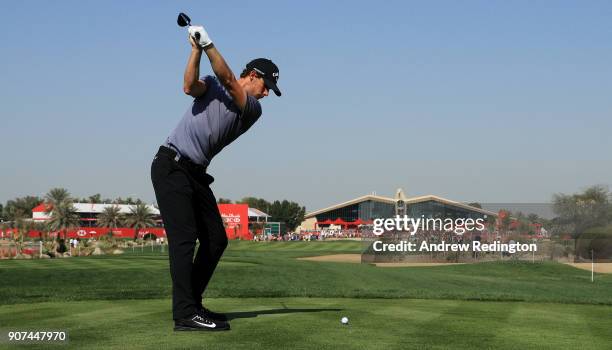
{"x": 194, "y": 329}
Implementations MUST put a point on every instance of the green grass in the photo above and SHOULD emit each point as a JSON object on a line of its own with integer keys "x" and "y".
{"x": 302, "y": 323}
{"x": 277, "y": 301}
{"x": 256, "y": 269}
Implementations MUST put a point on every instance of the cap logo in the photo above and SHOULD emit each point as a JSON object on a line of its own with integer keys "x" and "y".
{"x": 275, "y": 75}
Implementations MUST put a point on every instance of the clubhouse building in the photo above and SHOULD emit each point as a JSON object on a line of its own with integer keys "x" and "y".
{"x": 363, "y": 210}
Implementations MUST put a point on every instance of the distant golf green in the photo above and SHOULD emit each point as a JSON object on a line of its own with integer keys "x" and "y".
{"x": 276, "y": 301}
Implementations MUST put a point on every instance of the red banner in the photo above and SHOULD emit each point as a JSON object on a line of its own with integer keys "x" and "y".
{"x": 236, "y": 220}
{"x": 91, "y": 232}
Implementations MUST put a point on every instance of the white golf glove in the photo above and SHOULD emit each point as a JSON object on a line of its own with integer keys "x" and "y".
{"x": 203, "y": 39}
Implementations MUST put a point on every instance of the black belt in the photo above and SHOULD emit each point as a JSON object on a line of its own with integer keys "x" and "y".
{"x": 182, "y": 160}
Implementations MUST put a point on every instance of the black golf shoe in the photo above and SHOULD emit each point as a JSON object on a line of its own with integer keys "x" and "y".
{"x": 206, "y": 313}
{"x": 198, "y": 322}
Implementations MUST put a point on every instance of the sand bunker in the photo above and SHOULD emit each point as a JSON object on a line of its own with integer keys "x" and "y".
{"x": 356, "y": 259}
{"x": 599, "y": 267}
{"x": 408, "y": 264}
{"x": 346, "y": 258}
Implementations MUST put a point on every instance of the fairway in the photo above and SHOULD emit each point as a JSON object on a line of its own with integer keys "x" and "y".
{"x": 276, "y": 301}
{"x": 314, "y": 323}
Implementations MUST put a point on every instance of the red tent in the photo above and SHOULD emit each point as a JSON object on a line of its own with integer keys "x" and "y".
{"x": 339, "y": 221}
{"x": 357, "y": 222}
{"x": 325, "y": 222}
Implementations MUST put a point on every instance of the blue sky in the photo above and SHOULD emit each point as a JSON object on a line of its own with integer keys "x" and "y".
{"x": 489, "y": 101}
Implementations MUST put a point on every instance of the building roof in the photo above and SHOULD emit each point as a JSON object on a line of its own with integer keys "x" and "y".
{"x": 410, "y": 200}
{"x": 98, "y": 208}
{"x": 449, "y": 202}
{"x": 253, "y": 212}
{"x": 39, "y": 211}
{"x": 352, "y": 201}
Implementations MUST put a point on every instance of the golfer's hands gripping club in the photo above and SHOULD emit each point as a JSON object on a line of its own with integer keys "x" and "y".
{"x": 198, "y": 35}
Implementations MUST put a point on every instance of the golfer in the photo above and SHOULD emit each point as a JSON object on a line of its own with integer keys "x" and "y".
{"x": 223, "y": 109}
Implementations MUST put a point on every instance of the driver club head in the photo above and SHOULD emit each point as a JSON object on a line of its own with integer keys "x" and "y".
{"x": 183, "y": 20}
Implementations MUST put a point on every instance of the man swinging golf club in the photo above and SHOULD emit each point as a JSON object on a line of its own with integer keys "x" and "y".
{"x": 223, "y": 109}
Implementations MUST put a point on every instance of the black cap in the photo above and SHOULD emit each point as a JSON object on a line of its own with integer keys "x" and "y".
{"x": 268, "y": 70}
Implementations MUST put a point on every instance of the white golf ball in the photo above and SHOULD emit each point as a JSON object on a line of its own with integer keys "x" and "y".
{"x": 344, "y": 320}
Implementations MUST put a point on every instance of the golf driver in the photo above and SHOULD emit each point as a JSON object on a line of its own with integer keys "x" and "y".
{"x": 184, "y": 21}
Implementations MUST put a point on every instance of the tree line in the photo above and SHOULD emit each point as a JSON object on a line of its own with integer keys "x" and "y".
{"x": 21, "y": 207}
{"x": 290, "y": 213}
{"x": 63, "y": 216}
{"x": 581, "y": 212}
{"x": 575, "y": 214}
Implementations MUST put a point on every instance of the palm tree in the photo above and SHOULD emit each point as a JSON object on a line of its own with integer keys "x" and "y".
{"x": 110, "y": 217}
{"x": 95, "y": 198}
{"x": 21, "y": 226}
{"x": 140, "y": 217}
{"x": 55, "y": 197}
{"x": 64, "y": 216}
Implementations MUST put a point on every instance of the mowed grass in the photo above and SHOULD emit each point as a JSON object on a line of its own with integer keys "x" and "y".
{"x": 258, "y": 269}
{"x": 314, "y": 323}
{"x": 278, "y": 302}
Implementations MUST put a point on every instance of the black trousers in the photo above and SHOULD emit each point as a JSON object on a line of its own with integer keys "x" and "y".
{"x": 189, "y": 212}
